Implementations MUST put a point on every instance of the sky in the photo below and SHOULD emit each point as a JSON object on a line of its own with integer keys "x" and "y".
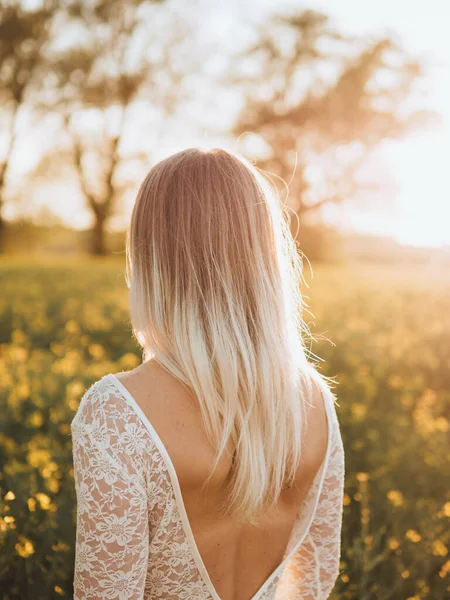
{"x": 418, "y": 166}
{"x": 421, "y": 163}
{"x": 419, "y": 212}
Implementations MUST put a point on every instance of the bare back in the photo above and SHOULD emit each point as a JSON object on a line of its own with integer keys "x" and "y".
{"x": 238, "y": 558}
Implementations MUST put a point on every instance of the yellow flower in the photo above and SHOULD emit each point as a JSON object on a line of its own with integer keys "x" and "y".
{"x": 53, "y": 485}
{"x": 10, "y": 496}
{"x": 25, "y": 547}
{"x": 442, "y": 424}
{"x": 445, "y": 570}
{"x": 60, "y": 547}
{"x": 405, "y": 574}
{"x": 72, "y": 327}
{"x": 36, "y": 419}
{"x": 43, "y": 500}
{"x": 7, "y": 523}
{"x": 96, "y": 351}
{"x": 413, "y": 536}
{"x": 445, "y": 511}
{"x": 39, "y": 458}
{"x": 439, "y": 549}
{"x": 393, "y": 543}
{"x": 395, "y": 497}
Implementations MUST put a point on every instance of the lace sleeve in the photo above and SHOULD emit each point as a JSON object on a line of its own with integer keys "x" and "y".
{"x": 112, "y": 520}
{"x": 313, "y": 569}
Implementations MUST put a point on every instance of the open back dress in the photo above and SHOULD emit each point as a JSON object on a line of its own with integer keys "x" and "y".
{"x": 134, "y": 540}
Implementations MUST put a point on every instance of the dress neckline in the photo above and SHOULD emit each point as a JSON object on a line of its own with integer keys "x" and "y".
{"x": 187, "y": 529}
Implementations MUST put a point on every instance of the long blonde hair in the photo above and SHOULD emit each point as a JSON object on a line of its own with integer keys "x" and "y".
{"x": 214, "y": 277}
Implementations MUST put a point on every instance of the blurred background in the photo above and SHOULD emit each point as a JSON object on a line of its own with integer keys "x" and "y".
{"x": 347, "y": 105}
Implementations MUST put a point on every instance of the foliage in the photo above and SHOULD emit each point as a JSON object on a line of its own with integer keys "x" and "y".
{"x": 24, "y": 36}
{"x": 64, "y": 325}
{"x": 319, "y": 101}
{"x": 100, "y": 80}
{"x": 119, "y": 69}
{"x": 391, "y": 362}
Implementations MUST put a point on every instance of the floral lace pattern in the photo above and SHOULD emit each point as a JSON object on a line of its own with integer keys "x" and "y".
{"x": 133, "y": 541}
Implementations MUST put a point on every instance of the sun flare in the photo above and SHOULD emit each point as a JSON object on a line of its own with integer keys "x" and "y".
{"x": 420, "y": 166}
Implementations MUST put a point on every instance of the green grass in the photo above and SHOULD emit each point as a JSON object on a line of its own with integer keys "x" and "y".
{"x": 65, "y": 324}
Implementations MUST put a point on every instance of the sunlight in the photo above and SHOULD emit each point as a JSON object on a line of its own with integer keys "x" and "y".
{"x": 420, "y": 166}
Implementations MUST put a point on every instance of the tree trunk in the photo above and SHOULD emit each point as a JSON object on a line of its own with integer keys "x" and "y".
{"x": 98, "y": 243}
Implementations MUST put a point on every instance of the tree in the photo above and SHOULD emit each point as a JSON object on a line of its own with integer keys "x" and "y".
{"x": 319, "y": 102}
{"x": 24, "y": 37}
{"x": 121, "y": 68}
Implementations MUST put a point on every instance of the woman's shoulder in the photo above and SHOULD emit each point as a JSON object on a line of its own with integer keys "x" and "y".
{"x": 321, "y": 395}
{"x": 321, "y": 386}
{"x": 107, "y": 430}
{"x": 107, "y": 403}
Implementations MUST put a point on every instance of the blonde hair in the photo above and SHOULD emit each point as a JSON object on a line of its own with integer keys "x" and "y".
{"x": 214, "y": 277}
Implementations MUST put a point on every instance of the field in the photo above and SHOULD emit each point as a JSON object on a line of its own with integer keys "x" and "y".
{"x": 64, "y": 325}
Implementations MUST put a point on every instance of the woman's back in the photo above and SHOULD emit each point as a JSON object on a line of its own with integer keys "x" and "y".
{"x": 238, "y": 559}
{"x": 189, "y": 548}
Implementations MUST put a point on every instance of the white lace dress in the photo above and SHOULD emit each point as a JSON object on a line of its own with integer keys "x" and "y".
{"x": 134, "y": 540}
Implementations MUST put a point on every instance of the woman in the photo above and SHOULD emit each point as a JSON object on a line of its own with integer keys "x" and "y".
{"x": 215, "y": 469}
